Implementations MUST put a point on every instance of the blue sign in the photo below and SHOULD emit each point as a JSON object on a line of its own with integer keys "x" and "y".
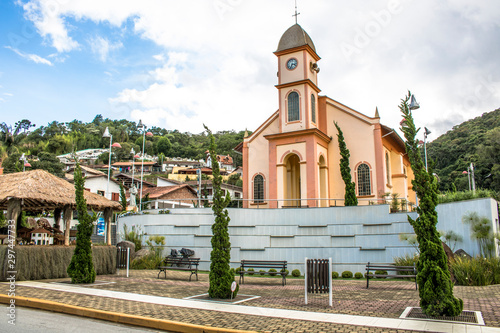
{"x": 100, "y": 226}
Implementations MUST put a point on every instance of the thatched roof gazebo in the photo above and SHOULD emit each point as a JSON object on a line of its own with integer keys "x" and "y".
{"x": 39, "y": 190}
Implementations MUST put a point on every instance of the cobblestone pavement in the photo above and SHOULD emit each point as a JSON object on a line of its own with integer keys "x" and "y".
{"x": 383, "y": 299}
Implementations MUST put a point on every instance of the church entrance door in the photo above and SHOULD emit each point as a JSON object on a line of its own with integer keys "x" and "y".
{"x": 292, "y": 181}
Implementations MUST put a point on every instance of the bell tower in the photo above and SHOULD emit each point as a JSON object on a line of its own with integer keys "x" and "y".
{"x": 297, "y": 80}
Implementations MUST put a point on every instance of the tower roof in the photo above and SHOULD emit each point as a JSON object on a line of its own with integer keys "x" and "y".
{"x": 295, "y": 36}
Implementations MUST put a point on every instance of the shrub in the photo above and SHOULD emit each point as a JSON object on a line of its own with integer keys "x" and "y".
{"x": 347, "y": 274}
{"x": 262, "y": 272}
{"x": 220, "y": 276}
{"x": 381, "y": 273}
{"x": 81, "y": 268}
{"x": 51, "y": 262}
{"x": 134, "y": 236}
{"x": 238, "y": 270}
{"x": 151, "y": 261}
{"x": 233, "y": 271}
{"x": 406, "y": 260}
{"x": 295, "y": 273}
{"x": 251, "y": 271}
{"x": 476, "y": 271}
{"x": 272, "y": 272}
{"x": 358, "y": 275}
{"x": 287, "y": 272}
{"x": 335, "y": 275}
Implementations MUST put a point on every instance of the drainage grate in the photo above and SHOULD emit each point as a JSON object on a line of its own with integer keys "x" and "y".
{"x": 466, "y": 317}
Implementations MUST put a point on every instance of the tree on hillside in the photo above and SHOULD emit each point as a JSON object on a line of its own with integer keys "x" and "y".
{"x": 81, "y": 268}
{"x": 474, "y": 141}
{"x": 164, "y": 146}
{"x": 350, "y": 187}
{"x": 433, "y": 278}
{"x": 50, "y": 163}
{"x": 221, "y": 277}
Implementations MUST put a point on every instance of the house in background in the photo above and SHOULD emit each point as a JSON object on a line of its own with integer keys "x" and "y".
{"x": 86, "y": 156}
{"x": 169, "y": 165}
{"x": 42, "y": 236}
{"x": 126, "y": 180}
{"x": 97, "y": 182}
{"x": 235, "y": 192}
{"x": 225, "y": 162}
{"x": 293, "y": 158}
{"x": 126, "y": 167}
{"x": 176, "y": 196}
{"x": 162, "y": 181}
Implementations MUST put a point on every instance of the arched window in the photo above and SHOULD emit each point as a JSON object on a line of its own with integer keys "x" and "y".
{"x": 258, "y": 188}
{"x": 388, "y": 168}
{"x": 313, "y": 108}
{"x": 293, "y": 106}
{"x": 364, "y": 183}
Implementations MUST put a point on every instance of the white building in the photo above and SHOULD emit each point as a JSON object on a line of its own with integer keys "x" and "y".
{"x": 42, "y": 237}
{"x": 97, "y": 182}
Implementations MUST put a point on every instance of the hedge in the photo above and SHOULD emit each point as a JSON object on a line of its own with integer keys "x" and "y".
{"x": 51, "y": 262}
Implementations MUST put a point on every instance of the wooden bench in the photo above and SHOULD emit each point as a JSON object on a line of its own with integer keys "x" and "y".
{"x": 390, "y": 268}
{"x": 180, "y": 264}
{"x": 279, "y": 266}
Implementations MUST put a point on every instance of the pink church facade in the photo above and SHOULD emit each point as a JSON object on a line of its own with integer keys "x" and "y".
{"x": 293, "y": 159}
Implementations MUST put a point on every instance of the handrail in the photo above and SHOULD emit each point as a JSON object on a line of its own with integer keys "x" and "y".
{"x": 403, "y": 205}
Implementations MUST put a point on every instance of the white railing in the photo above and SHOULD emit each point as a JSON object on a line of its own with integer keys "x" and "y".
{"x": 396, "y": 205}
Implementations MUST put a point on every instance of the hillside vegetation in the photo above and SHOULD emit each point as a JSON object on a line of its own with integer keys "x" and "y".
{"x": 60, "y": 138}
{"x": 475, "y": 141}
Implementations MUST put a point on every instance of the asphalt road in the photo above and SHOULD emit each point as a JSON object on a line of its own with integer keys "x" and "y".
{"x": 32, "y": 320}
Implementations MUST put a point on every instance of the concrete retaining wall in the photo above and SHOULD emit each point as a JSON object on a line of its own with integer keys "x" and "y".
{"x": 351, "y": 236}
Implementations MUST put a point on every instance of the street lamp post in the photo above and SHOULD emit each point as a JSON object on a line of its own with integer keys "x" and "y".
{"x": 414, "y": 106}
{"x": 143, "y": 128}
{"x": 25, "y": 162}
{"x": 132, "y": 151}
{"x": 426, "y": 132}
{"x": 106, "y": 134}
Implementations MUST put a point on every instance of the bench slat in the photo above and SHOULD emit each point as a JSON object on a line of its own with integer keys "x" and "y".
{"x": 279, "y": 265}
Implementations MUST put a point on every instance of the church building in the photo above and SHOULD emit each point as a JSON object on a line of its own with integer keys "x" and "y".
{"x": 293, "y": 159}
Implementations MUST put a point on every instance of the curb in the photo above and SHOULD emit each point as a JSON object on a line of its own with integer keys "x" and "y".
{"x": 122, "y": 318}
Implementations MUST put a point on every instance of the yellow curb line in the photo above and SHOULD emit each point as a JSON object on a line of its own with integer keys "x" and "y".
{"x": 122, "y": 318}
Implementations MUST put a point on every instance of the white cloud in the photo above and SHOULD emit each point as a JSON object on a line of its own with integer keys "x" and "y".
{"x": 217, "y": 65}
{"x": 7, "y": 94}
{"x": 102, "y": 47}
{"x": 32, "y": 57}
{"x": 47, "y": 18}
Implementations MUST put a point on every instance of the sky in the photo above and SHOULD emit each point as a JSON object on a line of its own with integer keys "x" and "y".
{"x": 182, "y": 64}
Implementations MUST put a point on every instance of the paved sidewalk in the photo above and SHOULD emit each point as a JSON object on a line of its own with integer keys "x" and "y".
{"x": 354, "y": 305}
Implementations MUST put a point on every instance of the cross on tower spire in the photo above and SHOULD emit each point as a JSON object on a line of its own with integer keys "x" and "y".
{"x": 296, "y": 14}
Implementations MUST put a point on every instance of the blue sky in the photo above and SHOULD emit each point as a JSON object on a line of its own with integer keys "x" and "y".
{"x": 179, "y": 64}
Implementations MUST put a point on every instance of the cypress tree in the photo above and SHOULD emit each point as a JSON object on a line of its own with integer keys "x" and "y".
{"x": 433, "y": 278}
{"x": 350, "y": 189}
{"x": 81, "y": 268}
{"x": 123, "y": 198}
{"x": 221, "y": 277}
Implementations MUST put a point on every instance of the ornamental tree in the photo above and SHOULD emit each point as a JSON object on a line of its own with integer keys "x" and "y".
{"x": 350, "y": 189}
{"x": 123, "y": 198}
{"x": 81, "y": 268}
{"x": 433, "y": 278}
{"x": 221, "y": 277}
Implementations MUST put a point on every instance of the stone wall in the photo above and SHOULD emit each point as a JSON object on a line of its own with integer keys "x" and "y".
{"x": 351, "y": 236}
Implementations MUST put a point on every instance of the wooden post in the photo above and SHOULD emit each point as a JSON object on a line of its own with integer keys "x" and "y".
{"x": 57, "y": 218}
{"x": 108, "y": 213}
{"x": 67, "y": 215}
{"x": 13, "y": 212}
